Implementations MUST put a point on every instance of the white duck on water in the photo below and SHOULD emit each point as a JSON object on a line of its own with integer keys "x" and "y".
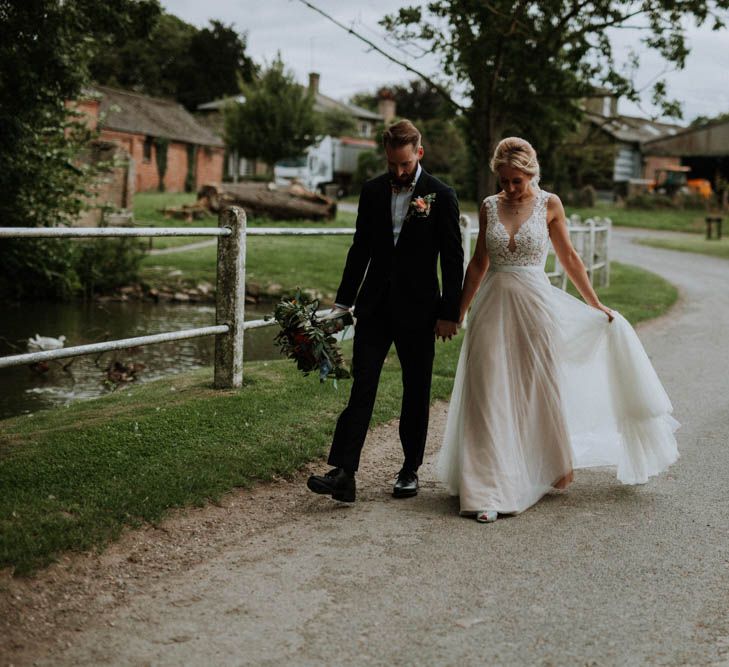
{"x": 42, "y": 343}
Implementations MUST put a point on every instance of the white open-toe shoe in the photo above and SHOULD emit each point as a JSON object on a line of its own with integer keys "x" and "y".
{"x": 486, "y": 516}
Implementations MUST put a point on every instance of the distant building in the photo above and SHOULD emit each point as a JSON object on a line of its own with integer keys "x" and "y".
{"x": 210, "y": 114}
{"x": 616, "y": 142}
{"x": 367, "y": 121}
{"x": 142, "y": 126}
{"x": 704, "y": 148}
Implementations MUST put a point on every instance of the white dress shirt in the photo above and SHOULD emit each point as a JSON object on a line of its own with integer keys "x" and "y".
{"x": 399, "y": 205}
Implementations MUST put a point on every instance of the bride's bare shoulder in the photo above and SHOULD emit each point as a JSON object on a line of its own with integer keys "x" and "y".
{"x": 553, "y": 200}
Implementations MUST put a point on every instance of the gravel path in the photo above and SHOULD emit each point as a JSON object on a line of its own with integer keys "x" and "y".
{"x": 602, "y": 574}
{"x": 197, "y": 245}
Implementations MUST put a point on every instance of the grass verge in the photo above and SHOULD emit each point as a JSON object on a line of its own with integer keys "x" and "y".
{"x": 73, "y": 478}
{"x": 698, "y": 245}
{"x": 675, "y": 220}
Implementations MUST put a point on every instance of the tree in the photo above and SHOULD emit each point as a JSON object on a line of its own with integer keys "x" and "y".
{"x": 45, "y": 48}
{"x": 415, "y": 100}
{"x": 171, "y": 58}
{"x": 524, "y": 66}
{"x": 215, "y": 66}
{"x": 703, "y": 120}
{"x": 151, "y": 60}
{"x": 277, "y": 119}
{"x": 336, "y": 123}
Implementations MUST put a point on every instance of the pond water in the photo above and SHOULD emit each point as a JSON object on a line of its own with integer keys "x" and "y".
{"x": 24, "y": 390}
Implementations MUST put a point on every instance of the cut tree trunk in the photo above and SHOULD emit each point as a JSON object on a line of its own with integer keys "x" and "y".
{"x": 263, "y": 200}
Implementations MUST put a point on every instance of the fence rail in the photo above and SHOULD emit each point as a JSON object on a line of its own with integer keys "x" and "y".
{"x": 86, "y": 232}
{"x": 591, "y": 238}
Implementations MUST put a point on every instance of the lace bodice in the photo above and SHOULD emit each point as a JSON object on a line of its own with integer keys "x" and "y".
{"x": 531, "y": 239}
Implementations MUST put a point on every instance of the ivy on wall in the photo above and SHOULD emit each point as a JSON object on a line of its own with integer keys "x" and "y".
{"x": 161, "y": 155}
{"x": 191, "y": 177}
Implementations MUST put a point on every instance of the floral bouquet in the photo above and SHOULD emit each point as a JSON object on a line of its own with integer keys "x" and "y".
{"x": 308, "y": 339}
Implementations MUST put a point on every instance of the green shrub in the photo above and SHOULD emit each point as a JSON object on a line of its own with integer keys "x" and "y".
{"x": 105, "y": 264}
{"x": 650, "y": 202}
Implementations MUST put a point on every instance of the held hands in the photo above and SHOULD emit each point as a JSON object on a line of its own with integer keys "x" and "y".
{"x": 445, "y": 330}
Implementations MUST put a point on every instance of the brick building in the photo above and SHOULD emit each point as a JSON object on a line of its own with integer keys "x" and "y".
{"x": 144, "y": 127}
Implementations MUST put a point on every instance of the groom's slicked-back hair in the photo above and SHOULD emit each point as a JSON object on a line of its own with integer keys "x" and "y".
{"x": 400, "y": 134}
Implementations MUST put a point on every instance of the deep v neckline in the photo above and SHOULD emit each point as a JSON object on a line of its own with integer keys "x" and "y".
{"x": 512, "y": 237}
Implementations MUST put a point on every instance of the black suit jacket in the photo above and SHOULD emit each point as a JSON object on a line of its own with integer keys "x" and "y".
{"x": 380, "y": 276}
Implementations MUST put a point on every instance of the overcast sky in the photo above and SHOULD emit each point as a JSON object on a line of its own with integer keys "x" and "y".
{"x": 307, "y": 41}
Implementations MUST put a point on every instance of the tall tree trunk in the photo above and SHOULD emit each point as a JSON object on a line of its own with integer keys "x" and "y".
{"x": 485, "y": 130}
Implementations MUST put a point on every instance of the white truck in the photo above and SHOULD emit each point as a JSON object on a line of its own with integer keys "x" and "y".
{"x": 332, "y": 161}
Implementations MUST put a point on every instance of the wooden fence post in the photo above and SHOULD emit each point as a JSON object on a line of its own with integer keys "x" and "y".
{"x": 230, "y": 298}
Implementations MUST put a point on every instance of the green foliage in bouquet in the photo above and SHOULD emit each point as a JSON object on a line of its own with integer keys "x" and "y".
{"x": 308, "y": 339}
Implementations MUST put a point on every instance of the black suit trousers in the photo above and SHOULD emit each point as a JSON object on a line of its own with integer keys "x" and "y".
{"x": 415, "y": 348}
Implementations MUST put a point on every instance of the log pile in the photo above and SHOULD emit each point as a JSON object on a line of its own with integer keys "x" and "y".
{"x": 186, "y": 212}
{"x": 267, "y": 200}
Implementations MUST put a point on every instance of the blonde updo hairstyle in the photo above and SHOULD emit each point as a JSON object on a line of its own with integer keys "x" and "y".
{"x": 518, "y": 154}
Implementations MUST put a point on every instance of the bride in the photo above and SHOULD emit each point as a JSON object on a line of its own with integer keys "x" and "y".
{"x": 545, "y": 383}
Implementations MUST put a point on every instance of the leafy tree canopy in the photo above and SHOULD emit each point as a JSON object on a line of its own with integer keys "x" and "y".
{"x": 337, "y": 123}
{"x": 524, "y": 66}
{"x": 703, "y": 120}
{"x": 165, "y": 56}
{"x": 415, "y": 100}
{"x": 277, "y": 119}
{"x": 45, "y": 49}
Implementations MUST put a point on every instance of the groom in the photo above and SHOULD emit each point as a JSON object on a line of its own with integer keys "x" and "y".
{"x": 406, "y": 219}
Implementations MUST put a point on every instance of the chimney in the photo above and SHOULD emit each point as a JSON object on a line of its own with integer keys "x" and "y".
{"x": 313, "y": 82}
{"x": 386, "y": 105}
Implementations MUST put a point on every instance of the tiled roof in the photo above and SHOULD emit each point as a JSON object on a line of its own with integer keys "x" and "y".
{"x": 126, "y": 111}
{"x": 632, "y": 129}
{"x": 324, "y": 103}
{"x": 321, "y": 103}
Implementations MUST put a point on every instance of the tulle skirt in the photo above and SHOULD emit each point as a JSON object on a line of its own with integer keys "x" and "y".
{"x": 546, "y": 384}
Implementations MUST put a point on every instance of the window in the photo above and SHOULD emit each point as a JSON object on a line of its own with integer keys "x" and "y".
{"x": 147, "y": 149}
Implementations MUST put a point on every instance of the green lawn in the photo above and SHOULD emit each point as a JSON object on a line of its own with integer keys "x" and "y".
{"x": 147, "y": 213}
{"x": 672, "y": 220}
{"x": 698, "y": 245}
{"x": 279, "y": 264}
{"x": 73, "y": 478}
{"x": 310, "y": 261}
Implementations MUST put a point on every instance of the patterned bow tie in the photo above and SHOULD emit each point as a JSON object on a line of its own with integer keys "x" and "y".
{"x": 397, "y": 188}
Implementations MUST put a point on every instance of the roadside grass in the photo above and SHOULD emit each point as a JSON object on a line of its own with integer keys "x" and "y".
{"x": 698, "y": 245}
{"x": 637, "y": 294}
{"x": 73, "y": 478}
{"x": 676, "y": 220}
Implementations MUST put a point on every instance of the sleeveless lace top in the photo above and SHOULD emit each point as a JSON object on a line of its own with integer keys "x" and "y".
{"x": 531, "y": 239}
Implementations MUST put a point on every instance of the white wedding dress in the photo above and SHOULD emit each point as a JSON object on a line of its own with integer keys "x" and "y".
{"x": 545, "y": 383}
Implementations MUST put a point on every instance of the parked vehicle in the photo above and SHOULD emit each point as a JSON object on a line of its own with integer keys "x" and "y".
{"x": 331, "y": 162}
{"x": 675, "y": 180}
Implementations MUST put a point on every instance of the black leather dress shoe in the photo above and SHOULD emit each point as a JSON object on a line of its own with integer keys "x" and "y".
{"x": 406, "y": 485}
{"x": 337, "y": 483}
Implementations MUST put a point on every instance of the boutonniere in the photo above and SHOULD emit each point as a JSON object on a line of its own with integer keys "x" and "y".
{"x": 420, "y": 206}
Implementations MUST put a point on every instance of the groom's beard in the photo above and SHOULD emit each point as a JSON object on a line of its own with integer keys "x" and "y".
{"x": 405, "y": 179}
